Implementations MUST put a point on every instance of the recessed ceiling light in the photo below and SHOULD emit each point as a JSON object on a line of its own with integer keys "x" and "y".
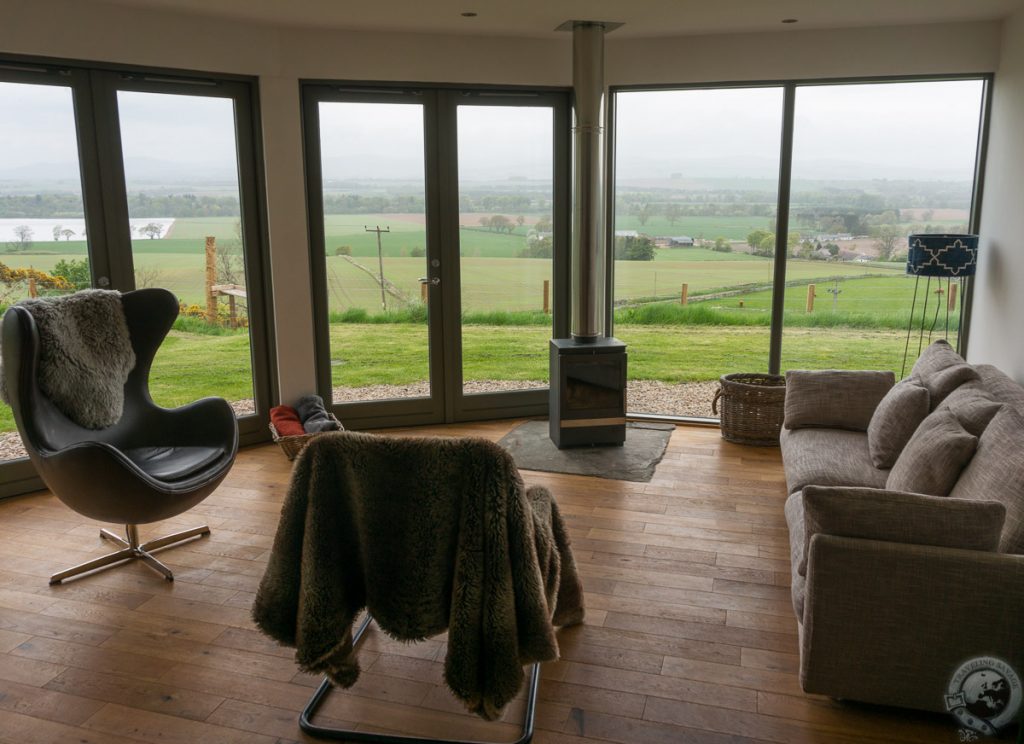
{"x": 789, "y": 20}
{"x": 468, "y": 14}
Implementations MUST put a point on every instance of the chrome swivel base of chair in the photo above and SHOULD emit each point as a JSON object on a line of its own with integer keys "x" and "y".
{"x": 132, "y": 550}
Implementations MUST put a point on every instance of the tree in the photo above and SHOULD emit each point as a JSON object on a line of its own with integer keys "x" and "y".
{"x": 642, "y": 211}
{"x": 673, "y": 213}
{"x": 755, "y": 238}
{"x": 56, "y": 232}
{"x": 722, "y": 245}
{"x": 501, "y": 223}
{"x": 543, "y": 224}
{"x": 24, "y": 234}
{"x": 75, "y": 272}
{"x": 67, "y": 233}
{"x": 147, "y": 276}
{"x": 640, "y": 248}
{"x": 766, "y": 247}
{"x": 886, "y": 238}
{"x": 520, "y": 220}
{"x": 152, "y": 230}
{"x": 343, "y": 250}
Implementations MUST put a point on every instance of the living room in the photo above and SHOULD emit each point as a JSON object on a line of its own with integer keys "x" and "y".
{"x": 642, "y": 594}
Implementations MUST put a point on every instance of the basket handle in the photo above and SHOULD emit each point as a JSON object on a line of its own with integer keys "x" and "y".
{"x": 714, "y": 402}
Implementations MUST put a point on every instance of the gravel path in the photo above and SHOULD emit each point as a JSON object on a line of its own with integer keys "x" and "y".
{"x": 645, "y": 396}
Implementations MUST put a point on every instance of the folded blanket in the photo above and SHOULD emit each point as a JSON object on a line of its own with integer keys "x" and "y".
{"x": 286, "y": 421}
{"x": 314, "y": 416}
{"x": 85, "y": 354}
{"x": 428, "y": 534}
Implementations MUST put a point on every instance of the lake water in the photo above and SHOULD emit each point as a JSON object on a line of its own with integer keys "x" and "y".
{"x": 42, "y": 230}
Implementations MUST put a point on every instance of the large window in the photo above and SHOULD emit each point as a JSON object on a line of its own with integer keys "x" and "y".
{"x": 703, "y": 285}
{"x": 122, "y": 181}
{"x": 696, "y": 176}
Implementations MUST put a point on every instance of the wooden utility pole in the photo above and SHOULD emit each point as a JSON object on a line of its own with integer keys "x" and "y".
{"x": 810, "y": 298}
{"x": 211, "y": 279}
{"x": 684, "y": 294}
{"x": 380, "y": 261}
{"x": 547, "y": 295}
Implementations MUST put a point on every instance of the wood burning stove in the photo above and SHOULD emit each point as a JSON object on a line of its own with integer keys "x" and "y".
{"x": 588, "y": 392}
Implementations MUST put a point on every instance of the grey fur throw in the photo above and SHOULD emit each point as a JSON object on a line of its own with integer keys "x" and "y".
{"x": 428, "y": 534}
{"x": 85, "y": 354}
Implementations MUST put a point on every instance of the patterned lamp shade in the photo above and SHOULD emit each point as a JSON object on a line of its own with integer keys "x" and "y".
{"x": 950, "y": 256}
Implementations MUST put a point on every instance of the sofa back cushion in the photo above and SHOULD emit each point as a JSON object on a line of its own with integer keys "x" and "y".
{"x": 973, "y": 406}
{"x": 895, "y": 420}
{"x": 899, "y": 517}
{"x": 1001, "y": 387}
{"x": 942, "y": 371}
{"x": 834, "y": 399}
{"x": 934, "y": 457}
{"x": 997, "y": 473}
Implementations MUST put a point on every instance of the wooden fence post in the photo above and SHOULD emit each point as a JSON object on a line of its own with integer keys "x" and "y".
{"x": 547, "y": 296}
{"x": 211, "y": 279}
{"x": 423, "y": 292}
{"x": 952, "y": 297}
{"x": 810, "y": 298}
{"x": 32, "y": 290}
{"x": 684, "y": 294}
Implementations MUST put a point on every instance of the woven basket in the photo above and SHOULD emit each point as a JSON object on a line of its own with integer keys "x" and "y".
{"x": 293, "y": 445}
{"x": 752, "y": 408}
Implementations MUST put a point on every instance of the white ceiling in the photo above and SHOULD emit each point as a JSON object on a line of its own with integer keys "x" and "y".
{"x": 538, "y": 18}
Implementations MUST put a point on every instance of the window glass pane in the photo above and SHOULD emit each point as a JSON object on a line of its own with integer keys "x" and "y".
{"x": 696, "y": 181}
{"x": 181, "y": 171}
{"x": 872, "y": 164}
{"x": 42, "y": 224}
{"x": 505, "y": 245}
{"x": 376, "y": 240}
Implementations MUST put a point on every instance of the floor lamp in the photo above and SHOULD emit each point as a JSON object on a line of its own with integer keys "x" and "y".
{"x": 940, "y": 256}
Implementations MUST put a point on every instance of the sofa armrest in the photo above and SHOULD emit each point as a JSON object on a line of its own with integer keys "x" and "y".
{"x": 890, "y": 623}
{"x": 832, "y": 398}
{"x": 897, "y": 516}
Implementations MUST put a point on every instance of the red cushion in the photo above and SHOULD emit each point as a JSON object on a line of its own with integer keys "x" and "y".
{"x": 286, "y": 420}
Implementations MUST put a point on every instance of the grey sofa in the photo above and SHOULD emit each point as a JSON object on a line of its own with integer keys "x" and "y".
{"x": 887, "y": 609}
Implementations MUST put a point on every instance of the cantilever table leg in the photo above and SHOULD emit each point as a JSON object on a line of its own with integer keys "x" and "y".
{"x": 327, "y": 732}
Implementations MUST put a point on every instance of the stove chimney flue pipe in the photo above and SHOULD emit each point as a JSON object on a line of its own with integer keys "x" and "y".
{"x": 588, "y": 225}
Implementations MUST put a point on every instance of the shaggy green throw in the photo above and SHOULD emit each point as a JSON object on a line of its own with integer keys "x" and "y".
{"x": 428, "y": 534}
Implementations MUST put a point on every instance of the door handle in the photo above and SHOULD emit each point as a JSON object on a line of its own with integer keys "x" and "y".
{"x": 433, "y": 281}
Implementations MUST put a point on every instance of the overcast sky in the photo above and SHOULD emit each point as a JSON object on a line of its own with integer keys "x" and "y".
{"x": 906, "y": 130}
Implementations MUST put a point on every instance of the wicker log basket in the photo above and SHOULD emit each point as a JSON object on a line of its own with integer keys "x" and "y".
{"x": 752, "y": 408}
{"x": 293, "y": 445}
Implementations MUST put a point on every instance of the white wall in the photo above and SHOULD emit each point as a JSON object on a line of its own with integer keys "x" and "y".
{"x": 76, "y": 29}
{"x": 996, "y": 325}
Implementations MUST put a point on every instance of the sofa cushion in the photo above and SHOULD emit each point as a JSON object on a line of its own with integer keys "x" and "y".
{"x": 899, "y": 414}
{"x": 997, "y": 472}
{"x": 942, "y": 371}
{"x": 1001, "y": 387}
{"x": 834, "y": 398}
{"x": 794, "y": 511}
{"x": 895, "y": 516}
{"x": 934, "y": 457}
{"x": 973, "y": 406}
{"x": 828, "y": 457}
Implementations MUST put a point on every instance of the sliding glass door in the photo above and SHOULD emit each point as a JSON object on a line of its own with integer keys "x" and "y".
{"x": 121, "y": 181}
{"x": 760, "y": 229}
{"x": 433, "y": 222}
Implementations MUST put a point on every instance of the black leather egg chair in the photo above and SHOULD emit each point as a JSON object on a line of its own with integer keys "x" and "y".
{"x": 153, "y": 464}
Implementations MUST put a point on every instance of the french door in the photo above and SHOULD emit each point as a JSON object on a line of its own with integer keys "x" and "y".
{"x": 439, "y": 227}
{"x": 123, "y": 180}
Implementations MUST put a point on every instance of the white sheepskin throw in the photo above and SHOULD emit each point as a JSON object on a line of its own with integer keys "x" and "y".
{"x": 85, "y": 354}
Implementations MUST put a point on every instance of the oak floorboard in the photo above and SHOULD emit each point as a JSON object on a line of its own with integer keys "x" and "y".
{"x": 690, "y": 635}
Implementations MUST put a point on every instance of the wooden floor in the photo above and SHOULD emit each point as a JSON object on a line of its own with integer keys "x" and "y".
{"x": 690, "y": 636}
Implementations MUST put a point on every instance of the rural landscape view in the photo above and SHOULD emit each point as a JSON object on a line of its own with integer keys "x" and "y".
{"x": 703, "y": 227}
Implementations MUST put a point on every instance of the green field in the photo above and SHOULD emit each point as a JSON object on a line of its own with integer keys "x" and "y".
{"x": 505, "y": 333}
